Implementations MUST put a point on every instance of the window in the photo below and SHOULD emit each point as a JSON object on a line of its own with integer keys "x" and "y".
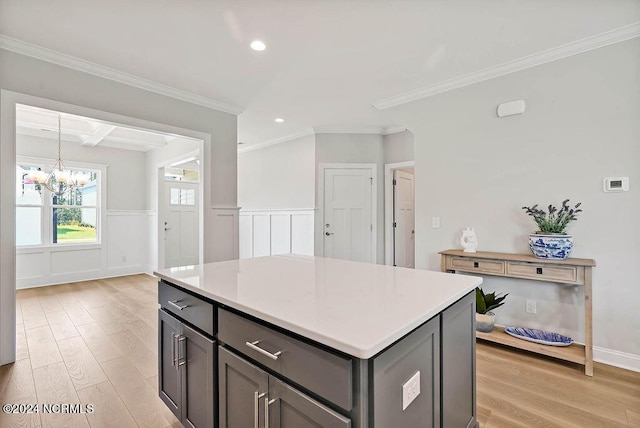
{"x": 43, "y": 218}
{"x": 183, "y": 196}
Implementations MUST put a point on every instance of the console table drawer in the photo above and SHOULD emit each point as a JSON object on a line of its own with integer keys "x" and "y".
{"x": 477, "y": 265}
{"x": 326, "y": 374}
{"x": 568, "y": 274}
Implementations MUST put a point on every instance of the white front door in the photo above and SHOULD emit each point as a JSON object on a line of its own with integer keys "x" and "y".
{"x": 348, "y": 227}
{"x": 180, "y": 223}
{"x": 404, "y": 219}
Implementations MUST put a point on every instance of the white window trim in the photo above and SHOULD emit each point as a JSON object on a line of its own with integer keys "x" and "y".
{"x": 45, "y": 227}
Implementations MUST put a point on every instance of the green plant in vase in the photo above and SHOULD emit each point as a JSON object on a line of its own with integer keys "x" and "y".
{"x": 485, "y": 304}
{"x": 551, "y": 241}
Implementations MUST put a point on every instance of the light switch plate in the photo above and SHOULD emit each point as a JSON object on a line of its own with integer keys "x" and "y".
{"x": 410, "y": 390}
{"x": 435, "y": 222}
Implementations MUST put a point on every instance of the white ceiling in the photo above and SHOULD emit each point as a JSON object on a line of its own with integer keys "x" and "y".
{"x": 326, "y": 62}
{"x": 89, "y": 132}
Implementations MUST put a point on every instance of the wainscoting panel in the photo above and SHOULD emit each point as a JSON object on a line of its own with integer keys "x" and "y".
{"x": 302, "y": 239}
{"x": 223, "y": 244}
{"x": 271, "y": 232}
{"x": 261, "y": 235}
{"x": 123, "y": 251}
{"x": 280, "y": 234}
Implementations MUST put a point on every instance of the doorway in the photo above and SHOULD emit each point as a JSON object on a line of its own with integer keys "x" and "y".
{"x": 400, "y": 214}
{"x": 348, "y": 198}
{"x": 179, "y": 210}
{"x": 8, "y": 112}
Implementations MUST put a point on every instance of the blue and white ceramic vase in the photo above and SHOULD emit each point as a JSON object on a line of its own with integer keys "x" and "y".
{"x": 553, "y": 247}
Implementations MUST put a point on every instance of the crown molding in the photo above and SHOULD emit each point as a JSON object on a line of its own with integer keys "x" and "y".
{"x": 59, "y": 58}
{"x": 394, "y": 130}
{"x": 338, "y": 130}
{"x": 276, "y": 141}
{"x": 573, "y": 48}
{"x": 324, "y": 130}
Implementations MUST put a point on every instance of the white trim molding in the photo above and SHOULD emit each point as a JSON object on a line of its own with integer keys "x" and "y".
{"x": 323, "y": 130}
{"x": 341, "y": 130}
{"x": 573, "y": 48}
{"x": 276, "y": 141}
{"x": 59, "y": 58}
{"x": 394, "y": 130}
{"x": 616, "y": 358}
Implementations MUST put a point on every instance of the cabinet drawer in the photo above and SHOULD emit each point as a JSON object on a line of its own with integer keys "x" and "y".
{"x": 477, "y": 265}
{"x": 319, "y": 371}
{"x": 194, "y": 310}
{"x": 544, "y": 272}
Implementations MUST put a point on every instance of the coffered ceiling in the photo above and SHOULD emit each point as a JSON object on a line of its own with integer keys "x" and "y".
{"x": 89, "y": 132}
{"x": 326, "y": 63}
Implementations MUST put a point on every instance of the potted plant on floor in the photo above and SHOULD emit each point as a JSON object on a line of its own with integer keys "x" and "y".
{"x": 485, "y": 304}
{"x": 551, "y": 241}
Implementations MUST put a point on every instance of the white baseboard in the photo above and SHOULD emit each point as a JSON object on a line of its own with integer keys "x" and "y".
{"x": 616, "y": 358}
{"x": 35, "y": 282}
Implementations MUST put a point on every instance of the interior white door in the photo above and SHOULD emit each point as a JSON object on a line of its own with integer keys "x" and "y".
{"x": 403, "y": 219}
{"x": 348, "y": 228}
{"x": 181, "y": 223}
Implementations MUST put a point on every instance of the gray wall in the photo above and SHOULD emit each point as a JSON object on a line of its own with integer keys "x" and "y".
{"x": 473, "y": 169}
{"x": 352, "y": 148}
{"x": 281, "y": 176}
{"x": 126, "y": 172}
{"x": 398, "y": 147}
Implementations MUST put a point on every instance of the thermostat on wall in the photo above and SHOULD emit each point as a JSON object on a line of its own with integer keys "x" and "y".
{"x": 615, "y": 184}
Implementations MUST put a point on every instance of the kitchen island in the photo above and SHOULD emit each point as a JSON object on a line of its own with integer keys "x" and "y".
{"x": 296, "y": 341}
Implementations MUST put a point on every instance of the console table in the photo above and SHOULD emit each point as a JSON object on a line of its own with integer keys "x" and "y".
{"x": 570, "y": 271}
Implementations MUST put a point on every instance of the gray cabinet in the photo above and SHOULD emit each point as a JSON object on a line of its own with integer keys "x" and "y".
{"x": 290, "y": 408}
{"x": 250, "y": 397}
{"x": 242, "y": 390}
{"x": 458, "y": 364}
{"x": 262, "y": 376}
{"x": 186, "y": 363}
{"x": 419, "y": 352}
{"x": 169, "y": 376}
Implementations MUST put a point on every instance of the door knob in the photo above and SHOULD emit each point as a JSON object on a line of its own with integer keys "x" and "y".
{"x": 328, "y": 233}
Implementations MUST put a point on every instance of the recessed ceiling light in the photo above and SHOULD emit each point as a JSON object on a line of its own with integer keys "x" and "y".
{"x": 258, "y": 45}
{"x": 279, "y": 120}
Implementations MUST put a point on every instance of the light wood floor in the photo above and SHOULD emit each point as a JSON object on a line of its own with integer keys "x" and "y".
{"x": 95, "y": 342}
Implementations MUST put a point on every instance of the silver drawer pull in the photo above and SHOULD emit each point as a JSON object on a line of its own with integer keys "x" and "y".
{"x": 175, "y": 304}
{"x": 255, "y": 347}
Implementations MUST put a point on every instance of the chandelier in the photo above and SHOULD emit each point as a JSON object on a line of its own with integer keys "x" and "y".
{"x": 60, "y": 180}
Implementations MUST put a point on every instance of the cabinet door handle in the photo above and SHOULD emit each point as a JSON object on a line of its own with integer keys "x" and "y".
{"x": 256, "y": 406}
{"x": 254, "y": 345}
{"x": 175, "y": 304}
{"x": 173, "y": 349}
{"x": 181, "y": 339}
{"x": 267, "y": 403}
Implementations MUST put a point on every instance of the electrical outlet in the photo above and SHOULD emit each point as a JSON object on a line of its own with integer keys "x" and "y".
{"x": 124, "y": 259}
{"x": 530, "y": 307}
{"x": 435, "y": 222}
{"x": 410, "y": 390}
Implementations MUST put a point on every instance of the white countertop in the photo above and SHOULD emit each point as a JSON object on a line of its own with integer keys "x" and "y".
{"x": 356, "y": 308}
